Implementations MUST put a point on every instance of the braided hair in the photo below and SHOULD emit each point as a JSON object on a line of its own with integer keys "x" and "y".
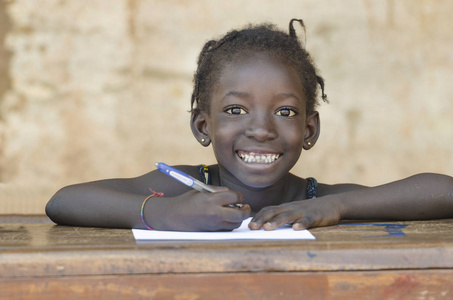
{"x": 264, "y": 38}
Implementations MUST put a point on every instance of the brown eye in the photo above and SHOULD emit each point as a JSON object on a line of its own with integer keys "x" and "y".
{"x": 235, "y": 111}
{"x": 286, "y": 112}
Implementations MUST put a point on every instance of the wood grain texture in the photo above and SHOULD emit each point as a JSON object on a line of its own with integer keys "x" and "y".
{"x": 370, "y": 260}
{"x": 424, "y": 284}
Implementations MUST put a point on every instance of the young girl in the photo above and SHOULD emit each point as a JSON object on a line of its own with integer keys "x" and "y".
{"x": 254, "y": 101}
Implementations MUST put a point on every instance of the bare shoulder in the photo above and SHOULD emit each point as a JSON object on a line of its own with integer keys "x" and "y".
{"x": 328, "y": 189}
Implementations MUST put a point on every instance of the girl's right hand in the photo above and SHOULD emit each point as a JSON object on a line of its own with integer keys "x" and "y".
{"x": 197, "y": 211}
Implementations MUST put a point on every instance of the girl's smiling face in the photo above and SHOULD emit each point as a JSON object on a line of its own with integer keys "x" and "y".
{"x": 257, "y": 121}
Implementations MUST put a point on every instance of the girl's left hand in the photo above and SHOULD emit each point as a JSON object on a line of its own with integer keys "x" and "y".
{"x": 301, "y": 214}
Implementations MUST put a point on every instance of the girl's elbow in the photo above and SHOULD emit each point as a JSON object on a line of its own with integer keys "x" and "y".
{"x": 53, "y": 208}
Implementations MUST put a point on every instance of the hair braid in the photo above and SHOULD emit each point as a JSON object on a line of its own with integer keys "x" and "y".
{"x": 320, "y": 81}
{"x": 292, "y": 31}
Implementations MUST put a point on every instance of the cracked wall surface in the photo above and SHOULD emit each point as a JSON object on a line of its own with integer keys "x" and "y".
{"x": 94, "y": 89}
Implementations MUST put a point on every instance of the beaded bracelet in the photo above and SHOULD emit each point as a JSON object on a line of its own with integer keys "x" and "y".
{"x": 153, "y": 194}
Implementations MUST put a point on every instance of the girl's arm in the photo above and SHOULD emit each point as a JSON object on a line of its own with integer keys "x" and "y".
{"x": 420, "y": 197}
{"x": 117, "y": 203}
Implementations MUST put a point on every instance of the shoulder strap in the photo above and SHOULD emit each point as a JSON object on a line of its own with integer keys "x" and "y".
{"x": 312, "y": 188}
{"x": 204, "y": 173}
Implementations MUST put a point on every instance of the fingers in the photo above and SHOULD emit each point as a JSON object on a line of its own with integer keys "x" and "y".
{"x": 231, "y": 199}
{"x": 230, "y": 218}
{"x": 227, "y": 198}
{"x": 216, "y": 207}
{"x": 219, "y": 188}
{"x": 237, "y": 215}
{"x": 299, "y": 220}
{"x": 270, "y": 218}
{"x": 279, "y": 220}
{"x": 228, "y": 226}
{"x": 272, "y": 223}
{"x": 304, "y": 223}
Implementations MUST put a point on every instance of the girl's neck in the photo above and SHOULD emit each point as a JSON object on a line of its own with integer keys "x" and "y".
{"x": 286, "y": 189}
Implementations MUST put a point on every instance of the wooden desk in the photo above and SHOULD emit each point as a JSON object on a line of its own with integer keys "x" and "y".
{"x": 393, "y": 260}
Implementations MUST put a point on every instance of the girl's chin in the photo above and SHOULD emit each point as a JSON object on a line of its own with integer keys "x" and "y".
{"x": 257, "y": 182}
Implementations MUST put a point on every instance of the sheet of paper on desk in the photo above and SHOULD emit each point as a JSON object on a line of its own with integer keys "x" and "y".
{"x": 241, "y": 233}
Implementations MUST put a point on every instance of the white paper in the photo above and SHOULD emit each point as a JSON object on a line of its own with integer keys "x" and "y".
{"x": 241, "y": 233}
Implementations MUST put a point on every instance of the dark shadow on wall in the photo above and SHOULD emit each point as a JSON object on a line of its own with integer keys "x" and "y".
{"x": 5, "y": 80}
{"x": 5, "y": 54}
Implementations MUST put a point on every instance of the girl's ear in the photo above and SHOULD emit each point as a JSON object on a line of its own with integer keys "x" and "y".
{"x": 199, "y": 126}
{"x": 312, "y": 130}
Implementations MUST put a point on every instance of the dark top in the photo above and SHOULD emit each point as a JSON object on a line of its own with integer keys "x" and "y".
{"x": 312, "y": 184}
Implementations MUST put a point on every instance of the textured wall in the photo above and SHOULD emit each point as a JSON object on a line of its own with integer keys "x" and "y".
{"x": 94, "y": 89}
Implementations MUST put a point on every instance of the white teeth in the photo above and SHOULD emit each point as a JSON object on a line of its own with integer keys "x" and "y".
{"x": 259, "y": 158}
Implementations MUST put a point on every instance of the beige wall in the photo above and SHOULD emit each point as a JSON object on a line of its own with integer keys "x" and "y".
{"x": 94, "y": 89}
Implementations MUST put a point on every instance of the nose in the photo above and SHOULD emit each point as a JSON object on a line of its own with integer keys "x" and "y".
{"x": 261, "y": 127}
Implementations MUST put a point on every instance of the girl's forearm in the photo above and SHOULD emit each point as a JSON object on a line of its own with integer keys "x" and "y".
{"x": 423, "y": 196}
{"x": 96, "y": 206}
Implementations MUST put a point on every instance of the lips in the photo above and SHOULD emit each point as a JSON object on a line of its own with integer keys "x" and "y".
{"x": 258, "y": 157}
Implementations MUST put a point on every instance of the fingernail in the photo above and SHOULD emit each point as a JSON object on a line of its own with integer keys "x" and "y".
{"x": 268, "y": 224}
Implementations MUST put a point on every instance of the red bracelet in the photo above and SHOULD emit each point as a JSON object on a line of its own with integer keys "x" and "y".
{"x": 153, "y": 194}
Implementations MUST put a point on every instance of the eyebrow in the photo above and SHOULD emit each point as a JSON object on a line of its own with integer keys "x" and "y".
{"x": 236, "y": 94}
{"x": 246, "y": 95}
{"x": 287, "y": 95}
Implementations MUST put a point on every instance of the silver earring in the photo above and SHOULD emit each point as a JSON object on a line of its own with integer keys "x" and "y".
{"x": 203, "y": 140}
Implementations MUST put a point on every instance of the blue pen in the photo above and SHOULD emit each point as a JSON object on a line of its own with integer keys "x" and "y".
{"x": 188, "y": 180}
{"x": 184, "y": 178}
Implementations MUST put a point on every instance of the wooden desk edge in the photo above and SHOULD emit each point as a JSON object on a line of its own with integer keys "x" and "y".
{"x": 161, "y": 261}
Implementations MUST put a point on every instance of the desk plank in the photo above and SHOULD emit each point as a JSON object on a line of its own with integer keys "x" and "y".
{"x": 400, "y": 285}
{"x": 51, "y": 250}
